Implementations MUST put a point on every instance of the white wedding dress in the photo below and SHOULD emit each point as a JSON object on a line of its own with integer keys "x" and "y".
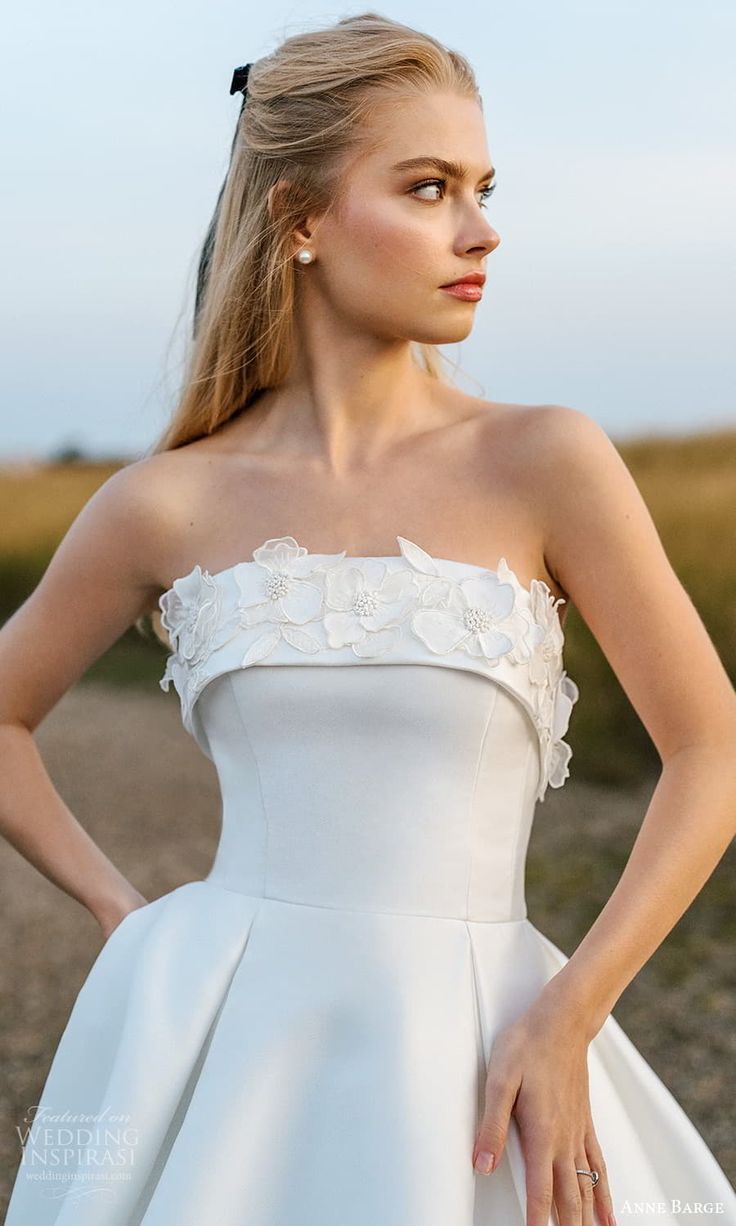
{"x": 301, "y": 1038}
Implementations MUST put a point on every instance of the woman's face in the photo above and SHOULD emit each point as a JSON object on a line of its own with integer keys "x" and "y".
{"x": 397, "y": 234}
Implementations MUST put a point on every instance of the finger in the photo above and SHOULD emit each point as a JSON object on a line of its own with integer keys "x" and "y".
{"x": 491, "y": 1136}
{"x": 539, "y": 1182}
{"x": 586, "y": 1188}
{"x": 602, "y": 1195}
{"x": 568, "y": 1194}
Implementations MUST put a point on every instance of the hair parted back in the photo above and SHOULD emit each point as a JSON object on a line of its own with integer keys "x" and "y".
{"x": 303, "y": 121}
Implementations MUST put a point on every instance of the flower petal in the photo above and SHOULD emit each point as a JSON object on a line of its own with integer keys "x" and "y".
{"x": 278, "y": 553}
{"x": 342, "y": 584}
{"x": 492, "y": 644}
{"x": 261, "y": 648}
{"x": 302, "y": 602}
{"x": 417, "y": 557}
{"x": 300, "y": 639}
{"x": 376, "y": 644}
{"x": 400, "y": 585}
{"x": 342, "y": 629}
{"x": 438, "y": 630}
{"x": 487, "y": 592}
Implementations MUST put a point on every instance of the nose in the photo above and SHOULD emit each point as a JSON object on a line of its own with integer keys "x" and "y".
{"x": 481, "y": 239}
{"x": 489, "y": 242}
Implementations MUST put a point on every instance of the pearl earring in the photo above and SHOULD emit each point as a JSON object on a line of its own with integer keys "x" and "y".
{"x": 304, "y": 256}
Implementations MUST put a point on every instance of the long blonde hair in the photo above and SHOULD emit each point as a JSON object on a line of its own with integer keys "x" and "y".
{"x": 302, "y": 120}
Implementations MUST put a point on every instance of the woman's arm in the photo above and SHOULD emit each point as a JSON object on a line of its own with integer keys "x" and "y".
{"x": 100, "y": 579}
{"x": 604, "y": 549}
{"x": 688, "y": 825}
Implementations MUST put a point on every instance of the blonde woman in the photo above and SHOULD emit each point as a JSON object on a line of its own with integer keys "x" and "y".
{"x": 363, "y": 575}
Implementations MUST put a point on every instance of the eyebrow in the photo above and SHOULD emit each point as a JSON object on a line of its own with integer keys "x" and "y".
{"x": 454, "y": 170}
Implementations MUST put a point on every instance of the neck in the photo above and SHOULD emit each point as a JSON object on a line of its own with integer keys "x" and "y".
{"x": 347, "y": 401}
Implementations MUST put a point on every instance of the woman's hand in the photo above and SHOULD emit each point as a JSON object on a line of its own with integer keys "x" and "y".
{"x": 538, "y": 1069}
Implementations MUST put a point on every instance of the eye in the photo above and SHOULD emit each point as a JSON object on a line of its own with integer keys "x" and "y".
{"x": 486, "y": 192}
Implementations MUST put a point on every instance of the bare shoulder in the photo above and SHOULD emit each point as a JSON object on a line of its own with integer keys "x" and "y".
{"x": 132, "y": 514}
{"x": 604, "y": 547}
{"x": 543, "y": 433}
{"x": 558, "y": 456}
{"x": 120, "y": 540}
{"x": 103, "y": 575}
{"x": 555, "y": 431}
{"x": 572, "y": 467}
{"x": 531, "y": 427}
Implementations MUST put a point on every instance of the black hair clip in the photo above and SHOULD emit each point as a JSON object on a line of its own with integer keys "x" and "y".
{"x": 240, "y": 79}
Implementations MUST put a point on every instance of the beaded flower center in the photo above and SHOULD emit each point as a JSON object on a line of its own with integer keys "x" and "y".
{"x": 365, "y": 604}
{"x": 477, "y": 620}
{"x": 277, "y": 585}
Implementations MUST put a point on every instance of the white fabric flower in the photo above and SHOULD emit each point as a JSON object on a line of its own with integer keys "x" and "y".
{"x": 545, "y": 666}
{"x": 191, "y": 613}
{"x": 473, "y": 617}
{"x": 291, "y": 595}
{"x": 291, "y": 585}
{"x": 554, "y": 719}
{"x": 365, "y": 605}
{"x": 553, "y": 691}
{"x": 169, "y": 672}
{"x": 436, "y": 592}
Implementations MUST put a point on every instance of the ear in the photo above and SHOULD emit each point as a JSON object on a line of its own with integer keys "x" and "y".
{"x": 277, "y": 198}
{"x": 280, "y": 199}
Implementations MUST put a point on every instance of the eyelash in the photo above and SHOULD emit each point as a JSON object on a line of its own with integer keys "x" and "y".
{"x": 487, "y": 191}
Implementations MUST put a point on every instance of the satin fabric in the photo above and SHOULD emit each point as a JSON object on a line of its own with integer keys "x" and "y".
{"x": 301, "y": 1038}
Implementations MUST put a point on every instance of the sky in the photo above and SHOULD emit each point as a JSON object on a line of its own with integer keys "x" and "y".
{"x": 611, "y": 126}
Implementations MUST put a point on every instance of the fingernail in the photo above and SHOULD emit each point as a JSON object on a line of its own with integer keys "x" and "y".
{"x": 484, "y": 1162}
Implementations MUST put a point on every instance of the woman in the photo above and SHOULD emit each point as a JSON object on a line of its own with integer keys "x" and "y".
{"x": 352, "y": 1011}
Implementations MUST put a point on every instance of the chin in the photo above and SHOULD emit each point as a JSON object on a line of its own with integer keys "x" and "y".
{"x": 445, "y": 334}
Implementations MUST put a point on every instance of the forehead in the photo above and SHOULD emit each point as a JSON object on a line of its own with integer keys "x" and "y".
{"x": 442, "y": 125}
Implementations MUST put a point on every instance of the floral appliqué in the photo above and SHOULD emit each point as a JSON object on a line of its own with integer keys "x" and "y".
{"x": 192, "y": 615}
{"x": 318, "y": 603}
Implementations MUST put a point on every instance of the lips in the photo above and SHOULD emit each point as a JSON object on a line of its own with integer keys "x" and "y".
{"x": 468, "y": 288}
{"x": 464, "y": 291}
{"x": 468, "y": 278}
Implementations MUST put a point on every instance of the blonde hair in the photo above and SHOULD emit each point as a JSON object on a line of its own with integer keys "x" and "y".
{"x": 303, "y": 120}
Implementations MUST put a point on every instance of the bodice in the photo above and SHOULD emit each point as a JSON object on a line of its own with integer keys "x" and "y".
{"x": 288, "y": 606}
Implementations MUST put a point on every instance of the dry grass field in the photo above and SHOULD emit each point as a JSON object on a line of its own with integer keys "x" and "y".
{"x": 117, "y": 752}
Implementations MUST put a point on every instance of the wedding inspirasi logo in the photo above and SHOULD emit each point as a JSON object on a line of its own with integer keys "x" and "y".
{"x": 77, "y": 1154}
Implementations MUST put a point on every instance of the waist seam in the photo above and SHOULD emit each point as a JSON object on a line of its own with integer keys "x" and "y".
{"x": 296, "y": 902}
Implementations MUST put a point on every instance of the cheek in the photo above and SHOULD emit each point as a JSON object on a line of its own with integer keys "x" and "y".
{"x": 386, "y": 245}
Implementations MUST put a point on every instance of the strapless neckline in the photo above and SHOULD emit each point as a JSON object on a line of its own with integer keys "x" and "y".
{"x": 405, "y": 545}
{"x": 291, "y": 606}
